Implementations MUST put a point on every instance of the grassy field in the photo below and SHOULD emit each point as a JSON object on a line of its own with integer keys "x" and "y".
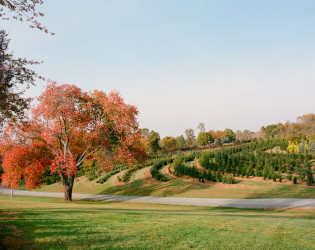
{"x": 48, "y": 223}
{"x": 245, "y": 188}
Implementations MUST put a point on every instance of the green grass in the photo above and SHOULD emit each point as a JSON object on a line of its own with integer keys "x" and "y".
{"x": 48, "y": 223}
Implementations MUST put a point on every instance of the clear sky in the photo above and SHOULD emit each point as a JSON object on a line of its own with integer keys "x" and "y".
{"x": 230, "y": 64}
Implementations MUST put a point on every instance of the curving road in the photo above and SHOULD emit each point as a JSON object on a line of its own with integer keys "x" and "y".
{"x": 209, "y": 202}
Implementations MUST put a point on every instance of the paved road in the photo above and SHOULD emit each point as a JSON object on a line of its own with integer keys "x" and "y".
{"x": 209, "y": 202}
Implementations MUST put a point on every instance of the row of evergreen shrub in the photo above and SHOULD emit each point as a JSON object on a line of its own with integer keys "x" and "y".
{"x": 182, "y": 169}
{"x": 110, "y": 174}
{"x": 155, "y": 169}
{"x": 127, "y": 175}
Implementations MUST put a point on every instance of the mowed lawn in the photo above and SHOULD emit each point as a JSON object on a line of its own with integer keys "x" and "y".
{"x": 49, "y": 223}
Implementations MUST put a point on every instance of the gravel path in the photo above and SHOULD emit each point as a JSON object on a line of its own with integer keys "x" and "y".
{"x": 210, "y": 202}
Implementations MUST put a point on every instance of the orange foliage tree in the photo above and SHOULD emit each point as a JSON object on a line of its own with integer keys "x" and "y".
{"x": 66, "y": 128}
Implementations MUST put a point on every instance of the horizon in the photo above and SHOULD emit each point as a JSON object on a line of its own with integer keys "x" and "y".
{"x": 229, "y": 65}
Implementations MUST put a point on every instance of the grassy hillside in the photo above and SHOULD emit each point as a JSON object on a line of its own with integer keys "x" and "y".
{"x": 48, "y": 223}
{"x": 142, "y": 184}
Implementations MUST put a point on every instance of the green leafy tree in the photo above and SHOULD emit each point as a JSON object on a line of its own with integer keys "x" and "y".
{"x": 190, "y": 136}
{"x": 180, "y": 140}
{"x": 154, "y": 139}
{"x": 204, "y": 138}
{"x": 230, "y": 134}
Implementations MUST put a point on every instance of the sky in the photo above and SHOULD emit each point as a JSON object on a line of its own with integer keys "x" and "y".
{"x": 229, "y": 64}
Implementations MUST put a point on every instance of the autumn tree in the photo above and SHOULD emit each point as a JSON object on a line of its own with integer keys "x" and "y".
{"x": 218, "y": 134}
{"x": 307, "y": 124}
{"x": 66, "y": 128}
{"x": 246, "y": 135}
{"x": 168, "y": 142}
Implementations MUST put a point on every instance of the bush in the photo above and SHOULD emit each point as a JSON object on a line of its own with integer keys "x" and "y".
{"x": 294, "y": 180}
{"x": 154, "y": 171}
{"x": 51, "y": 178}
{"x": 93, "y": 172}
{"x": 204, "y": 161}
{"x": 218, "y": 177}
{"x": 106, "y": 177}
{"x": 280, "y": 178}
{"x": 228, "y": 179}
{"x": 126, "y": 176}
{"x": 310, "y": 178}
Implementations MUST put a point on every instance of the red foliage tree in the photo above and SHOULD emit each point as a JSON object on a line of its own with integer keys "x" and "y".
{"x": 66, "y": 128}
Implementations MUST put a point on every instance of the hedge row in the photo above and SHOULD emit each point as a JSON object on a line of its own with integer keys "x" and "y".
{"x": 182, "y": 169}
{"x": 158, "y": 164}
{"x": 110, "y": 174}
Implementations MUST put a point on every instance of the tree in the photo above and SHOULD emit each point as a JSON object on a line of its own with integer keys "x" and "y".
{"x": 145, "y": 132}
{"x": 246, "y": 135}
{"x": 218, "y": 134}
{"x": 154, "y": 139}
{"x": 23, "y": 10}
{"x": 180, "y": 140}
{"x": 230, "y": 134}
{"x": 14, "y": 72}
{"x": 168, "y": 142}
{"x": 67, "y": 128}
{"x": 204, "y": 138}
{"x": 201, "y": 127}
{"x": 190, "y": 136}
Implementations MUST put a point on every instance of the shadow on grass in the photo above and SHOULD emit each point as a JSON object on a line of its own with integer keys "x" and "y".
{"x": 142, "y": 188}
{"x": 285, "y": 191}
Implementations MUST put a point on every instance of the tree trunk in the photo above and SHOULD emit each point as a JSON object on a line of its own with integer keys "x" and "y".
{"x": 67, "y": 187}
{"x": 67, "y": 193}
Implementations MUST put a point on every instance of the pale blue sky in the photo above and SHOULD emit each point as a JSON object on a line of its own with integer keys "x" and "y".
{"x": 236, "y": 64}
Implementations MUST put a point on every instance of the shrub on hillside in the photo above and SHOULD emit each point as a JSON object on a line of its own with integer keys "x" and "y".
{"x": 310, "y": 178}
{"x": 204, "y": 161}
{"x": 126, "y": 176}
{"x": 228, "y": 179}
